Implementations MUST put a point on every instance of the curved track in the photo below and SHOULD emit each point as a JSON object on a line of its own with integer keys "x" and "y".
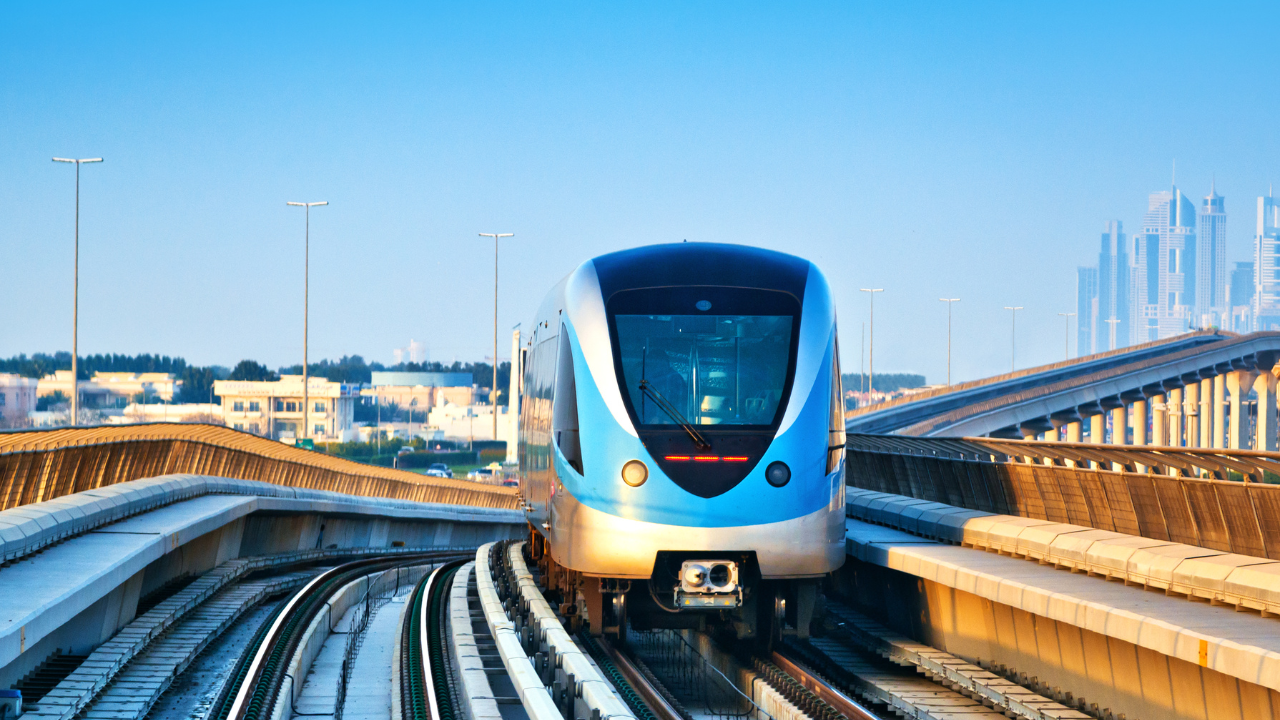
{"x": 424, "y": 659}
{"x": 255, "y": 682}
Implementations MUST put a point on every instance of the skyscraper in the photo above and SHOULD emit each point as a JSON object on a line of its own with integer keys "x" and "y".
{"x": 1266, "y": 266}
{"x": 1241, "y": 298}
{"x": 1212, "y": 308}
{"x": 1114, "y": 282}
{"x": 1087, "y": 311}
{"x": 1166, "y": 287}
{"x": 1105, "y": 293}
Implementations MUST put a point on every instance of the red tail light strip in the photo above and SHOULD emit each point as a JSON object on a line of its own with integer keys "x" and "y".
{"x": 705, "y": 458}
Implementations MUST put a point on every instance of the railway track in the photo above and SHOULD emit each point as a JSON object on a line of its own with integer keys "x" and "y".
{"x": 254, "y": 687}
{"x": 426, "y": 668}
{"x": 489, "y": 615}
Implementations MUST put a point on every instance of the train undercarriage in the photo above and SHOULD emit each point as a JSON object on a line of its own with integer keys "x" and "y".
{"x": 702, "y": 591}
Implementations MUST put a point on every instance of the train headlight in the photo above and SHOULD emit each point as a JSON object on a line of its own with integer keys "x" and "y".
{"x": 634, "y": 473}
{"x": 694, "y": 575}
{"x": 778, "y": 474}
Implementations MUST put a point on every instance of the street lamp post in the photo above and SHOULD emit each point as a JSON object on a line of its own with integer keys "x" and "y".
{"x": 493, "y": 393}
{"x": 75, "y": 301}
{"x": 1013, "y": 337}
{"x": 871, "y": 370}
{"x": 949, "y": 301}
{"x": 1112, "y": 322}
{"x": 1066, "y": 334}
{"x": 306, "y": 304}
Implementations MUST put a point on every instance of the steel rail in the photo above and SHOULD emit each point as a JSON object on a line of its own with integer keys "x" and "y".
{"x": 251, "y": 692}
{"x": 422, "y": 648}
{"x": 825, "y": 691}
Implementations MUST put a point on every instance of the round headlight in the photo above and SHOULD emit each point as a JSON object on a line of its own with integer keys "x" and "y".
{"x": 778, "y": 474}
{"x": 695, "y": 575}
{"x": 634, "y": 473}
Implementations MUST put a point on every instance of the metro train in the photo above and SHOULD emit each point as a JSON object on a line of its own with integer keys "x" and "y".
{"x": 681, "y": 445}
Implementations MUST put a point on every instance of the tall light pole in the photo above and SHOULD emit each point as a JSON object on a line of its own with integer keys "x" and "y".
{"x": 1112, "y": 322}
{"x": 949, "y": 301}
{"x": 75, "y": 302}
{"x": 493, "y": 393}
{"x": 1013, "y": 338}
{"x": 871, "y": 371}
{"x": 306, "y": 305}
{"x": 1066, "y": 334}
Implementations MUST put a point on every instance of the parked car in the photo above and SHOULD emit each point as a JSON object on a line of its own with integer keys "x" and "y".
{"x": 510, "y": 482}
{"x": 439, "y": 470}
{"x": 480, "y": 475}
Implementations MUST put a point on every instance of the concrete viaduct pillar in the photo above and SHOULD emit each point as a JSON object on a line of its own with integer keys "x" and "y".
{"x": 1265, "y": 388}
{"x": 1159, "y": 414}
{"x": 1190, "y": 412}
{"x": 1074, "y": 431}
{"x": 1119, "y": 425}
{"x": 1098, "y": 429}
{"x": 1175, "y": 417}
{"x": 1206, "y": 411}
{"x": 1239, "y": 383}
{"x": 1139, "y": 422}
{"x": 1219, "y": 407}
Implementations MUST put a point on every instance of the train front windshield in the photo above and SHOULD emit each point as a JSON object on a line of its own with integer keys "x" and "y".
{"x": 713, "y": 369}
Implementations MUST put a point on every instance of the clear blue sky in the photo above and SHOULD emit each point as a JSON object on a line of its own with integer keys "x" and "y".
{"x": 962, "y": 150}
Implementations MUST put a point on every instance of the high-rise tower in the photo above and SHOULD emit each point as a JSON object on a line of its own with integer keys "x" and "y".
{"x": 1105, "y": 293}
{"x": 1087, "y": 338}
{"x": 1266, "y": 266}
{"x": 1212, "y": 303}
{"x": 1166, "y": 289}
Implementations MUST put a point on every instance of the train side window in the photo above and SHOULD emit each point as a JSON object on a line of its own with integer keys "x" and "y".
{"x": 564, "y": 412}
{"x": 835, "y": 430}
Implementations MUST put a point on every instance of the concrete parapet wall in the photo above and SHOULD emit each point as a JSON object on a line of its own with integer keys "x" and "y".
{"x": 42, "y": 465}
{"x": 26, "y": 529}
{"x": 1124, "y": 648}
{"x": 1106, "y": 671}
{"x": 1224, "y": 515}
{"x": 100, "y": 554}
{"x": 1243, "y": 581}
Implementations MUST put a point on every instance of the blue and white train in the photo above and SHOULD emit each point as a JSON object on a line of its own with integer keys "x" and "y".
{"x": 682, "y": 438}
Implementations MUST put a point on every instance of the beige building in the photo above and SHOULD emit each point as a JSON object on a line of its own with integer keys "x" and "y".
{"x": 17, "y": 399}
{"x": 164, "y": 412}
{"x": 112, "y": 389}
{"x": 419, "y": 398}
{"x": 274, "y": 408}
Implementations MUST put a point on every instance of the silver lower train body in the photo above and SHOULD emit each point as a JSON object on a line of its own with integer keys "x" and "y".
{"x": 600, "y": 544}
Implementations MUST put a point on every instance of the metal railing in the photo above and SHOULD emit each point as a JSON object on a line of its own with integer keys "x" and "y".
{"x": 40, "y": 465}
{"x": 1218, "y": 499}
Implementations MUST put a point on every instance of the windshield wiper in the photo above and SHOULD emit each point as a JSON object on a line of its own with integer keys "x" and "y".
{"x": 652, "y": 393}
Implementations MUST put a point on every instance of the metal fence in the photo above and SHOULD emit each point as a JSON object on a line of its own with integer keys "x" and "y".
{"x": 42, "y": 465}
{"x": 1182, "y": 495}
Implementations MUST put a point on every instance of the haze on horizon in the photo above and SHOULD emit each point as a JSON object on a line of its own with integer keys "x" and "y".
{"x": 971, "y": 151}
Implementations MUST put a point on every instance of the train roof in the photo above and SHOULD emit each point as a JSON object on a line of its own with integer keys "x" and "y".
{"x": 683, "y": 264}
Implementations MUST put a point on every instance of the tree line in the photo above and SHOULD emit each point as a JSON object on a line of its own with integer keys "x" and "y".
{"x": 197, "y": 381}
{"x": 886, "y": 383}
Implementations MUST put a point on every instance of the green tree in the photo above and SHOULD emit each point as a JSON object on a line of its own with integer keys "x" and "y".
{"x": 252, "y": 370}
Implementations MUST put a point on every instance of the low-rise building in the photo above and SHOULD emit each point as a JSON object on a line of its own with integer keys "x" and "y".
{"x": 164, "y": 412}
{"x": 420, "y": 390}
{"x": 17, "y": 400}
{"x": 112, "y": 389}
{"x": 274, "y": 408}
{"x": 469, "y": 422}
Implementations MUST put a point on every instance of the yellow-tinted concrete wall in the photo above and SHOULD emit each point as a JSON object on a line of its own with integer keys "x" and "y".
{"x": 1141, "y": 683}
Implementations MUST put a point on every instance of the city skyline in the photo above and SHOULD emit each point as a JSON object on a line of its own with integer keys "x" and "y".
{"x": 884, "y": 144}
